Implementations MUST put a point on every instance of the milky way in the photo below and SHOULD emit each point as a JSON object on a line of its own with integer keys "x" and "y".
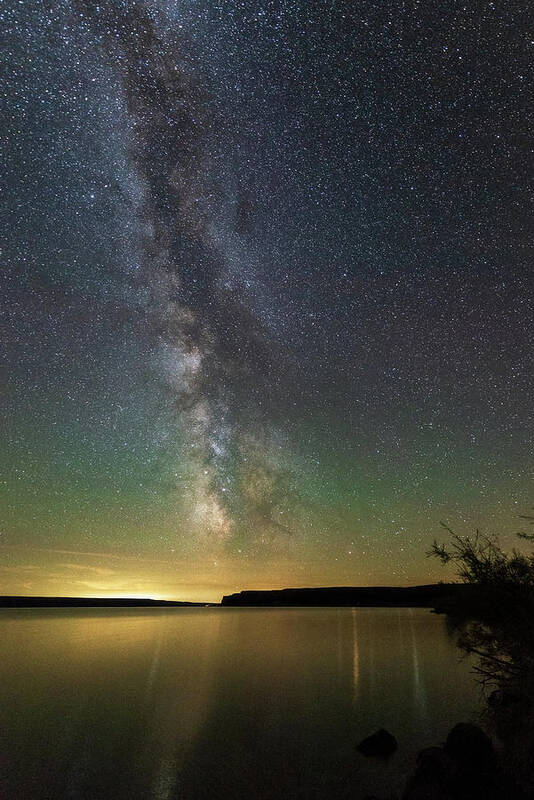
{"x": 213, "y": 354}
{"x": 268, "y": 290}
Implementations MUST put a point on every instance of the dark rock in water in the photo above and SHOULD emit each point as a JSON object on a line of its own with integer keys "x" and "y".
{"x": 381, "y": 744}
{"x": 427, "y": 791}
{"x": 434, "y": 763}
{"x": 372, "y": 797}
{"x": 465, "y": 769}
{"x": 433, "y": 778}
{"x": 470, "y": 747}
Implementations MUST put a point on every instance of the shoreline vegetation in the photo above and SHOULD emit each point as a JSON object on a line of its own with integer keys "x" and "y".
{"x": 493, "y": 621}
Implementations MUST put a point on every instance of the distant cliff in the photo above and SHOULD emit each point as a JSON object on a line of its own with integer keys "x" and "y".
{"x": 436, "y": 595}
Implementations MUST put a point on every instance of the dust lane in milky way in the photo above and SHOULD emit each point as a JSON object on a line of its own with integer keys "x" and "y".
{"x": 267, "y": 299}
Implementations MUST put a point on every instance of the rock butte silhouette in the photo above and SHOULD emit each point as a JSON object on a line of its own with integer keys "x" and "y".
{"x": 428, "y": 596}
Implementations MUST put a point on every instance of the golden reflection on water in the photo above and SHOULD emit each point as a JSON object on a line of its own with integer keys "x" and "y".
{"x": 192, "y": 703}
{"x": 355, "y": 653}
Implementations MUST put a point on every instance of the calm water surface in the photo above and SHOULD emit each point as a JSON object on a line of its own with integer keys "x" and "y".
{"x": 215, "y": 703}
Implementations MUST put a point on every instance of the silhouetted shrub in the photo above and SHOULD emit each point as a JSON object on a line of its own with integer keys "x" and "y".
{"x": 496, "y": 616}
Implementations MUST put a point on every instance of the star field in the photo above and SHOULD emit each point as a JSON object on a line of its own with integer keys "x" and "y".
{"x": 267, "y": 290}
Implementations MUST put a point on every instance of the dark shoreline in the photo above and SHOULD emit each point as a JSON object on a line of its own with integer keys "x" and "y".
{"x": 435, "y": 596}
{"x": 13, "y": 601}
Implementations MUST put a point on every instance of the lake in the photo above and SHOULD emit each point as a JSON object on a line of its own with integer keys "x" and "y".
{"x": 161, "y": 704}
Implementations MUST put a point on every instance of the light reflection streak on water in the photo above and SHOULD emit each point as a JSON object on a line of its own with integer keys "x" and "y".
{"x": 355, "y": 654}
{"x": 418, "y": 685}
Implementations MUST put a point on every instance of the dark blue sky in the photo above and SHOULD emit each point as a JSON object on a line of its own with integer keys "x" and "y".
{"x": 268, "y": 289}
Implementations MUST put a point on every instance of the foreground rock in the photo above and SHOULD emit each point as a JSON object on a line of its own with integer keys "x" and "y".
{"x": 381, "y": 744}
{"x": 465, "y": 769}
{"x": 470, "y": 748}
{"x": 433, "y": 777}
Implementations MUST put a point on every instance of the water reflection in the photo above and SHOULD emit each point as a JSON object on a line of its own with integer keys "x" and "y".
{"x": 355, "y": 651}
{"x": 194, "y": 703}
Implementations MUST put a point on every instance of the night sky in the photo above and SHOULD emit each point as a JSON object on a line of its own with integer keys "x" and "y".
{"x": 267, "y": 293}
